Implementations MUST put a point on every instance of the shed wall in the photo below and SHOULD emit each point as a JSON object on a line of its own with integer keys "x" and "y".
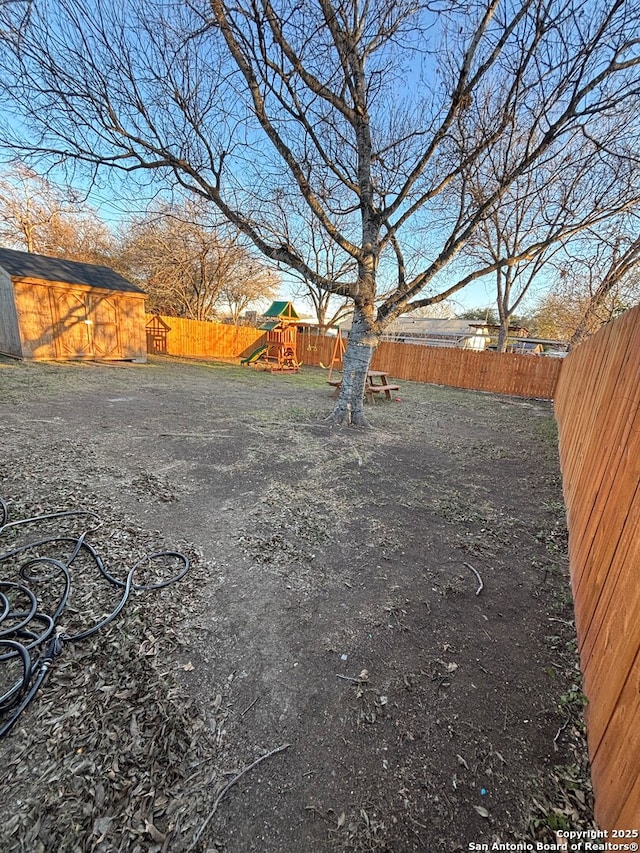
{"x": 132, "y": 323}
{"x": 58, "y": 320}
{"x": 70, "y": 308}
{"x": 9, "y": 334}
{"x": 35, "y": 320}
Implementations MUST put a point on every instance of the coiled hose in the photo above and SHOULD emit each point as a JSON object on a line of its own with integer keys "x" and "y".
{"x": 34, "y": 639}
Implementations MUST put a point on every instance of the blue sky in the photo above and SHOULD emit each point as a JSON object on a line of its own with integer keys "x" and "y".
{"x": 411, "y": 82}
{"x": 115, "y": 200}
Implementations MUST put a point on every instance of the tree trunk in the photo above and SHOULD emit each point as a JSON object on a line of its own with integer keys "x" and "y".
{"x": 587, "y": 326}
{"x": 584, "y": 330}
{"x": 503, "y": 281}
{"x": 321, "y": 316}
{"x": 361, "y": 345}
{"x": 503, "y": 334}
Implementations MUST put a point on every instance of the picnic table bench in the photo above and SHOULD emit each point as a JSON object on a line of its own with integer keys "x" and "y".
{"x": 377, "y": 383}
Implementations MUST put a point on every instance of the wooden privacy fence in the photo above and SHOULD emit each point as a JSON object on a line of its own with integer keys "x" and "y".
{"x": 501, "y": 373}
{"x": 199, "y": 339}
{"x": 598, "y": 411}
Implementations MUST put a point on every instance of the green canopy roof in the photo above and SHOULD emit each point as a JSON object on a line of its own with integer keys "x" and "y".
{"x": 271, "y": 324}
{"x": 285, "y": 310}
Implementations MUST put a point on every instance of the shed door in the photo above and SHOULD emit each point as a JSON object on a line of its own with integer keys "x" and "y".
{"x": 74, "y": 325}
{"x": 106, "y": 339}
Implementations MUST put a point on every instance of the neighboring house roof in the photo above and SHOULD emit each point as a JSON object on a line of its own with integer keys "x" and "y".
{"x": 406, "y": 324}
{"x": 28, "y": 265}
{"x": 435, "y": 325}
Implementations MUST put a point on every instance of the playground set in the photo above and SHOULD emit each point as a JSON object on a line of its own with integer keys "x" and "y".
{"x": 278, "y": 353}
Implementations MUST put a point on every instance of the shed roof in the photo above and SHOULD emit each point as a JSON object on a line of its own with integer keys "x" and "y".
{"x": 57, "y": 269}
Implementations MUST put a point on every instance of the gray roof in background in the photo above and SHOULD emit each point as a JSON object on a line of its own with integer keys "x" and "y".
{"x": 434, "y": 325}
{"x": 57, "y": 269}
{"x": 407, "y": 324}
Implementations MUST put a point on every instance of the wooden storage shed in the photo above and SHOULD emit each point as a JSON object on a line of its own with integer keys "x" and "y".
{"x": 53, "y": 308}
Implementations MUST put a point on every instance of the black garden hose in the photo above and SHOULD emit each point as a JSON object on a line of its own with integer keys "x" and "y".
{"x": 31, "y": 639}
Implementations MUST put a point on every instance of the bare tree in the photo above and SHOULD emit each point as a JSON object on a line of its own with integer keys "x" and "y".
{"x": 249, "y": 283}
{"x": 539, "y": 214}
{"x": 444, "y": 310}
{"x": 188, "y": 264}
{"x": 329, "y": 311}
{"x": 324, "y": 256}
{"x": 370, "y": 114}
{"x": 613, "y": 283}
{"x": 597, "y": 279}
{"x": 38, "y": 216}
{"x": 176, "y": 261}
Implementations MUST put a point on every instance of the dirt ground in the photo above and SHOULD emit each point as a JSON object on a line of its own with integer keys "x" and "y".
{"x": 332, "y": 624}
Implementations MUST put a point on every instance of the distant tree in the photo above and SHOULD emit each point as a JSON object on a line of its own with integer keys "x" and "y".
{"x": 598, "y": 280}
{"x": 439, "y": 310}
{"x": 489, "y": 315}
{"x": 557, "y": 313}
{"x": 328, "y": 309}
{"x": 324, "y": 257}
{"x": 611, "y": 278}
{"x": 532, "y": 221}
{"x": 38, "y": 216}
{"x": 371, "y": 115}
{"x": 188, "y": 264}
{"x": 248, "y": 283}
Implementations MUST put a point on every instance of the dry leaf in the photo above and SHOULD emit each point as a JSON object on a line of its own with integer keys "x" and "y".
{"x": 188, "y": 667}
{"x": 481, "y": 811}
{"x": 101, "y": 826}
{"x": 341, "y": 820}
{"x": 154, "y": 832}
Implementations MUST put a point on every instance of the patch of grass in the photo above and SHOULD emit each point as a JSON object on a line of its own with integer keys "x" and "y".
{"x": 546, "y": 430}
{"x": 460, "y": 508}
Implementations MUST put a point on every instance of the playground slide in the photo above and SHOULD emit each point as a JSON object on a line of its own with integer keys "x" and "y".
{"x": 255, "y": 355}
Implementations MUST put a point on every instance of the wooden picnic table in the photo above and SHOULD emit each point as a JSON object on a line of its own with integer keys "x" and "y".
{"x": 377, "y": 383}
